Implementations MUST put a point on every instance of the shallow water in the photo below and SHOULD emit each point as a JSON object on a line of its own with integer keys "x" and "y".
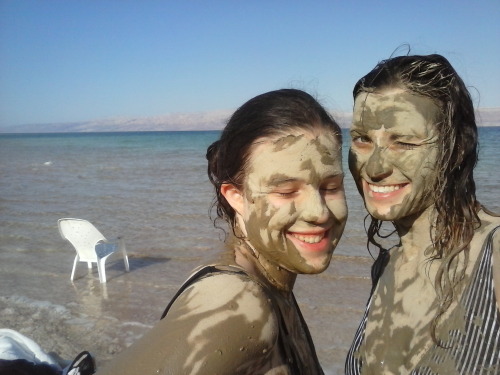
{"x": 152, "y": 189}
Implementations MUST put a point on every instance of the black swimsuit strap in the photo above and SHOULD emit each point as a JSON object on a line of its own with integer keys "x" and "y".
{"x": 284, "y": 347}
{"x": 206, "y": 270}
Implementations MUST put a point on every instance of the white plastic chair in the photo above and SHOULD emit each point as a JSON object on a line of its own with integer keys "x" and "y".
{"x": 90, "y": 245}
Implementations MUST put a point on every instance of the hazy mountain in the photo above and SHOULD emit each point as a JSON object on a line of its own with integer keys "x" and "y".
{"x": 488, "y": 117}
{"x": 214, "y": 120}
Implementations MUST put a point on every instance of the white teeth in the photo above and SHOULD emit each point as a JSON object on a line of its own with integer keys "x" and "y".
{"x": 308, "y": 238}
{"x": 384, "y": 189}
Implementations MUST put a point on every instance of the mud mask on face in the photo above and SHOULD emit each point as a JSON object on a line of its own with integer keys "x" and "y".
{"x": 394, "y": 152}
{"x": 284, "y": 197}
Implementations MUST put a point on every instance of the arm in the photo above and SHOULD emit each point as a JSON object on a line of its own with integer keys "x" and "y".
{"x": 222, "y": 324}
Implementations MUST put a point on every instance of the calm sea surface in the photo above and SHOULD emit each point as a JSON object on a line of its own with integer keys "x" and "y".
{"x": 152, "y": 189}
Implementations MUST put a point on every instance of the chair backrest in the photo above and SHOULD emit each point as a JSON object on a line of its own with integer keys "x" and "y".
{"x": 82, "y": 235}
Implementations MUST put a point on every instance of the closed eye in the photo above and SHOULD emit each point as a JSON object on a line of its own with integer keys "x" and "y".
{"x": 333, "y": 185}
{"x": 330, "y": 189}
{"x": 284, "y": 187}
{"x": 287, "y": 191}
{"x": 283, "y": 194}
{"x": 405, "y": 145}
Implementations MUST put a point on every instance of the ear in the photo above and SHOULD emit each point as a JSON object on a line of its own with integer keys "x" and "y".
{"x": 234, "y": 197}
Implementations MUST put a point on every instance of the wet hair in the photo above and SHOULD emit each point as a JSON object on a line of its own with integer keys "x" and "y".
{"x": 456, "y": 207}
{"x": 272, "y": 114}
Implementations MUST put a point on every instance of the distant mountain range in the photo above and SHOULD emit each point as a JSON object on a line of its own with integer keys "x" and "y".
{"x": 214, "y": 120}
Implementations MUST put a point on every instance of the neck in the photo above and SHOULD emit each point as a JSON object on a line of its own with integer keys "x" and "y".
{"x": 415, "y": 234}
{"x": 258, "y": 265}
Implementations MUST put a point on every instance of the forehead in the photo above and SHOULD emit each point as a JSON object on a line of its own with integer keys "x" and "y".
{"x": 293, "y": 153}
{"x": 394, "y": 108}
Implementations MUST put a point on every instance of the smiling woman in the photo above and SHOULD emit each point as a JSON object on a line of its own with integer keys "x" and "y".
{"x": 434, "y": 307}
{"x": 277, "y": 173}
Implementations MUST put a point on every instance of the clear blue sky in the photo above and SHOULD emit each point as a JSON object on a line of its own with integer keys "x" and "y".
{"x": 64, "y": 61}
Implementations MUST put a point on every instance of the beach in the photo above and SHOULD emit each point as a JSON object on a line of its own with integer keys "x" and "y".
{"x": 151, "y": 189}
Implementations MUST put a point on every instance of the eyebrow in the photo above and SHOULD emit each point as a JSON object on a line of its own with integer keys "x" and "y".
{"x": 277, "y": 181}
{"x": 357, "y": 125}
{"x": 341, "y": 175}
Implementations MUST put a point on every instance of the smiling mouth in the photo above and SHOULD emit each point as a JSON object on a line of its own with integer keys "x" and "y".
{"x": 309, "y": 238}
{"x": 385, "y": 188}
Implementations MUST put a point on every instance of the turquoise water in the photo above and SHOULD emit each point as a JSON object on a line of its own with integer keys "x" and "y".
{"x": 152, "y": 189}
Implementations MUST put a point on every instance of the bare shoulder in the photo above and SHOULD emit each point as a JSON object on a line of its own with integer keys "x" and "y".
{"x": 225, "y": 321}
{"x": 496, "y": 240}
{"x": 489, "y": 218}
{"x": 494, "y": 222}
{"x": 229, "y": 294}
{"x": 489, "y": 221}
{"x": 221, "y": 324}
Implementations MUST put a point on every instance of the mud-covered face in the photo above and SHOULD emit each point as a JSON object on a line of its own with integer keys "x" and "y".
{"x": 294, "y": 202}
{"x": 394, "y": 152}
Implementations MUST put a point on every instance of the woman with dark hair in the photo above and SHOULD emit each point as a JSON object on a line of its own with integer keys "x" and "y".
{"x": 278, "y": 179}
{"x": 434, "y": 306}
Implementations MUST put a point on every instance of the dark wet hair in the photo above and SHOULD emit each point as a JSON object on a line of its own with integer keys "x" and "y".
{"x": 455, "y": 201}
{"x": 271, "y": 114}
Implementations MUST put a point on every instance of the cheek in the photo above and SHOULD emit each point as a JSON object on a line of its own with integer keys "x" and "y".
{"x": 429, "y": 161}
{"x": 407, "y": 164}
{"x": 338, "y": 208}
{"x": 418, "y": 165}
{"x": 265, "y": 217}
{"x": 282, "y": 216}
{"x": 355, "y": 162}
{"x": 266, "y": 226}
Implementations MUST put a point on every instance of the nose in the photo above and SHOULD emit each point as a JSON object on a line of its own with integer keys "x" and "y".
{"x": 314, "y": 209}
{"x": 377, "y": 167}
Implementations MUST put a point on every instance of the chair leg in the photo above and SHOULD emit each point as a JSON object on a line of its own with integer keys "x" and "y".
{"x": 101, "y": 269}
{"x": 125, "y": 260}
{"x": 124, "y": 253}
{"x": 77, "y": 258}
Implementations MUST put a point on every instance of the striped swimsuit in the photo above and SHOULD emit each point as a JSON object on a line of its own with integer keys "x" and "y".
{"x": 476, "y": 350}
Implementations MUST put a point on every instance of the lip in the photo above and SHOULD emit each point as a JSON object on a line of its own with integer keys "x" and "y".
{"x": 314, "y": 241}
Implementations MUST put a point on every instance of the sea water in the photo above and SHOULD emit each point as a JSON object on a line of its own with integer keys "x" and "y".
{"x": 152, "y": 189}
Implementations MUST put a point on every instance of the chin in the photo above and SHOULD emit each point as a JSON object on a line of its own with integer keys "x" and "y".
{"x": 317, "y": 265}
{"x": 381, "y": 216}
{"x": 395, "y": 212}
{"x": 384, "y": 212}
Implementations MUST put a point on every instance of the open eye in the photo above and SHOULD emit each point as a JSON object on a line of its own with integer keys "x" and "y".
{"x": 360, "y": 139}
